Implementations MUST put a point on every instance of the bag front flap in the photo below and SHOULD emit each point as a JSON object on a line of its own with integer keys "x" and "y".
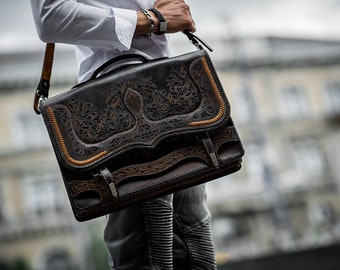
{"x": 135, "y": 107}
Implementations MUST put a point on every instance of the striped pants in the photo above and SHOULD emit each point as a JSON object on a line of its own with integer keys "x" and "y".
{"x": 171, "y": 232}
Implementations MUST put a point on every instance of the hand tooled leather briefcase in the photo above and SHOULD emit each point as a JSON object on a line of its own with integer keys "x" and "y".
{"x": 140, "y": 131}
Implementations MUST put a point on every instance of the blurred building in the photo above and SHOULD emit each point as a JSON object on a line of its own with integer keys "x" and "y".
{"x": 285, "y": 98}
{"x": 37, "y": 227}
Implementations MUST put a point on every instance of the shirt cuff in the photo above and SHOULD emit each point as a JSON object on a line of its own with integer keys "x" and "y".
{"x": 125, "y": 26}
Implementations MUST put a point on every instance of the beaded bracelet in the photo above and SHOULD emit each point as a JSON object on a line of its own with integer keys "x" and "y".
{"x": 151, "y": 22}
{"x": 162, "y": 22}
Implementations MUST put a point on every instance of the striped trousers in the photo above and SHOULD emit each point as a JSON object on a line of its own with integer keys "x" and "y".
{"x": 168, "y": 233}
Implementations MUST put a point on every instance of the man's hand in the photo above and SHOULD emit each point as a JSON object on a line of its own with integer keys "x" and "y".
{"x": 177, "y": 15}
{"x": 175, "y": 12}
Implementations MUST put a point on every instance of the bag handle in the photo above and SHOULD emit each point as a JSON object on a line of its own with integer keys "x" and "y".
{"x": 137, "y": 57}
{"x": 115, "y": 61}
{"x": 44, "y": 84}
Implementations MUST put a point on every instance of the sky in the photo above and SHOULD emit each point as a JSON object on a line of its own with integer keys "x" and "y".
{"x": 306, "y": 18}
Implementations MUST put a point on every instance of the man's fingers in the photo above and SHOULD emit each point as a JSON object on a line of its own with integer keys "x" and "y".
{"x": 177, "y": 14}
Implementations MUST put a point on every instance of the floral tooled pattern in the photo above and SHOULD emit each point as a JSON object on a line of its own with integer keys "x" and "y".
{"x": 137, "y": 111}
{"x": 164, "y": 163}
{"x": 181, "y": 96}
{"x": 78, "y": 148}
{"x": 209, "y": 107}
{"x": 97, "y": 184}
{"x": 93, "y": 125}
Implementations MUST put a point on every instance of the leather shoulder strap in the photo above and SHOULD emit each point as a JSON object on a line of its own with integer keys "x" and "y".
{"x": 44, "y": 83}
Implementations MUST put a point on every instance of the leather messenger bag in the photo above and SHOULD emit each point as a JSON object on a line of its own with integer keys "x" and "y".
{"x": 139, "y": 131}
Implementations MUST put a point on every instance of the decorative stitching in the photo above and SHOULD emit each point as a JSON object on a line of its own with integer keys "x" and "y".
{"x": 63, "y": 146}
{"x": 218, "y": 95}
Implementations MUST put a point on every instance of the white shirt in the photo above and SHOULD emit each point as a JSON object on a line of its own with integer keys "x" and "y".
{"x": 101, "y": 29}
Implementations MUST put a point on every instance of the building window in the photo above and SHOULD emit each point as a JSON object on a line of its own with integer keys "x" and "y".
{"x": 321, "y": 213}
{"x": 293, "y": 102}
{"x": 308, "y": 157}
{"x": 1, "y": 207}
{"x": 28, "y": 131}
{"x": 225, "y": 229}
{"x": 57, "y": 260}
{"x": 42, "y": 194}
{"x": 255, "y": 163}
{"x": 242, "y": 111}
{"x": 332, "y": 97}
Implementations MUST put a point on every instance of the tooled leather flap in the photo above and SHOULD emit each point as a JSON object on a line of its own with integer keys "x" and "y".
{"x": 136, "y": 107}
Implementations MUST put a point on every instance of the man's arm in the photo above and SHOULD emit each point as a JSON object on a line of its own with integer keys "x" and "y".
{"x": 113, "y": 28}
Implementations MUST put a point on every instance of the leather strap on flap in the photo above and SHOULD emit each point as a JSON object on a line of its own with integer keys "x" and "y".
{"x": 209, "y": 147}
{"x": 106, "y": 174}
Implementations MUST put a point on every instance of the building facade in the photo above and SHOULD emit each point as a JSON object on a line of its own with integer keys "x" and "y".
{"x": 285, "y": 100}
{"x": 37, "y": 226}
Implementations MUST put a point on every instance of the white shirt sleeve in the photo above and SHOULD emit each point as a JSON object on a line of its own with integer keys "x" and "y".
{"x": 67, "y": 21}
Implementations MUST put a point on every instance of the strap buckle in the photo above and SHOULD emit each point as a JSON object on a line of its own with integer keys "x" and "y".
{"x": 40, "y": 94}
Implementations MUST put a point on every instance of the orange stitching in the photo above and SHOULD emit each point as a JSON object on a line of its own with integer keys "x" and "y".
{"x": 63, "y": 146}
{"x": 218, "y": 95}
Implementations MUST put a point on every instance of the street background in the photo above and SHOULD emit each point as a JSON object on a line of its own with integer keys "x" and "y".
{"x": 279, "y": 62}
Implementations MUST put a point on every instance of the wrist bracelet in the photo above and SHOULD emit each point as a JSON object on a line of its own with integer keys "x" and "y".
{"x": 151, "y": 22}
{"x": 162, "y": 22}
